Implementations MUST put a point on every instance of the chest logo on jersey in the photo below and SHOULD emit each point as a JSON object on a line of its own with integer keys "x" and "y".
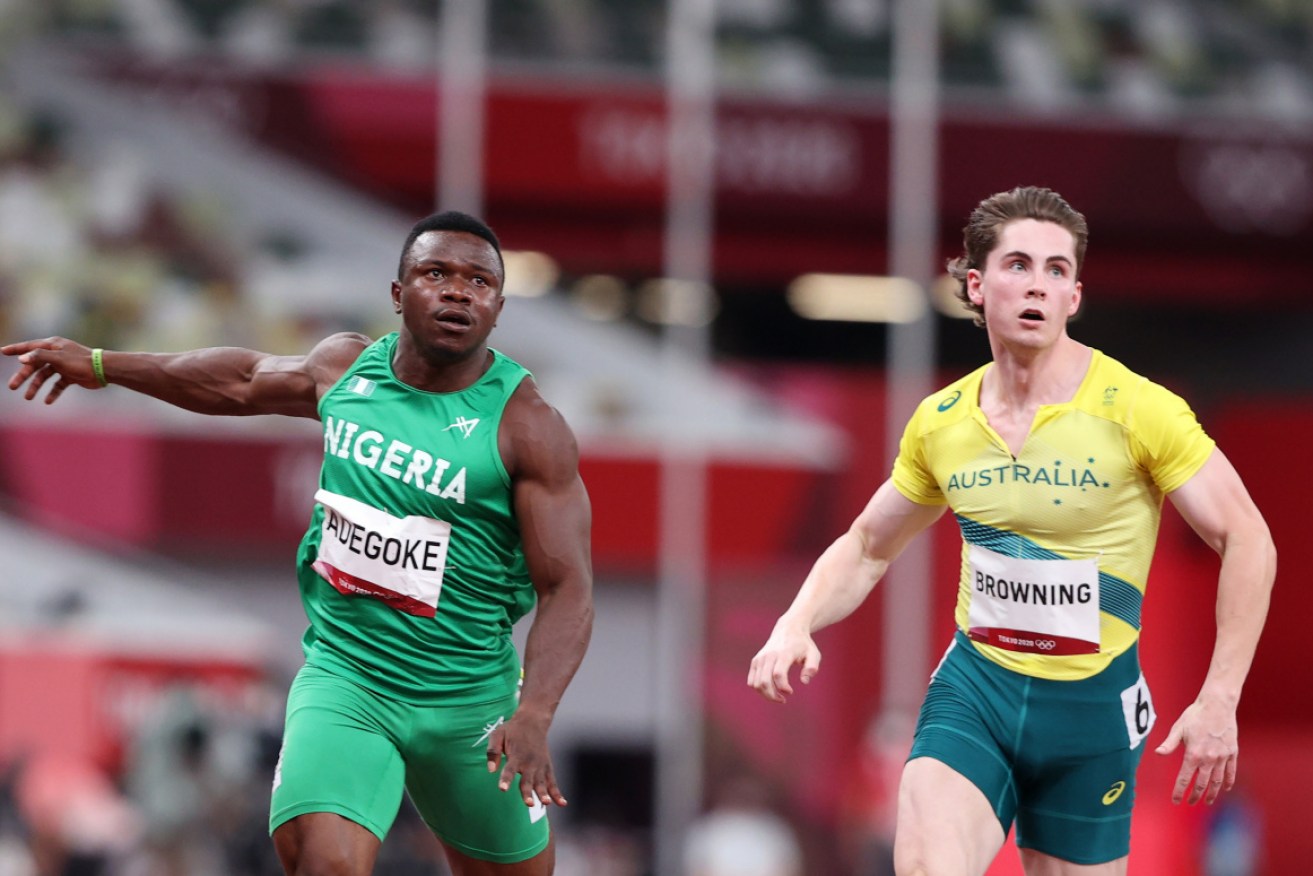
{"x": 465, "y": 426}
{"x": 394, "y": 459}
{"x": 362, "y": 386}
{"x": 1056, "y": 475}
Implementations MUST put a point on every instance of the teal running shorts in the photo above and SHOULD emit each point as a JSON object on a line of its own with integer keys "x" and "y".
{"x": 1058, "y": 757}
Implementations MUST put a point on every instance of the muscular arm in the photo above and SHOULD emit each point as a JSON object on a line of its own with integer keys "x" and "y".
{"x": 216, "y": 380}
{"x": 840, "y": 580}
{"x": 554, "y": 515}
{"x": 1218, "y": 507}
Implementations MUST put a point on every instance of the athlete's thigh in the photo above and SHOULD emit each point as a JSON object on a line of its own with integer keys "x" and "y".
{"x": 338, "y": 755}
{"x": 541, "y": 864}
{"x": 969, "y": 723}
{"x": 1039, "y": 864}
{"x": 1081, "y": 749}
{"x": 323, "y": 842}
{"x": 448, "y": 780}
{"x": 1080, "y": 812}
{"x": 945, "y": 824}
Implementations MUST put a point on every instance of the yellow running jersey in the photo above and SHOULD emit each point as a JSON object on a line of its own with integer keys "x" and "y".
{"x": 1056, "y": 543}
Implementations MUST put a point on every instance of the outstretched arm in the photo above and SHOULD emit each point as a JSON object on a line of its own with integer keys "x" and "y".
{"x": 1216, "y": 504}
{"x": 555, "y": 519}
{"x": 215, "y": 380}
{"x": 843, "y": 576}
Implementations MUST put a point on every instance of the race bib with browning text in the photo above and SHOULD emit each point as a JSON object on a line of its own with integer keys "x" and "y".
{"x": 1033, "y": 606}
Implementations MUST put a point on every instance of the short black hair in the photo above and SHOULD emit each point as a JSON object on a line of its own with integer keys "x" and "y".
{"x": 449, "y": 220}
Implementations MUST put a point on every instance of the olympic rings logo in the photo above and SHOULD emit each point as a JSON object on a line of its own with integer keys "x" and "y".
{"x": 1045, "y": 644}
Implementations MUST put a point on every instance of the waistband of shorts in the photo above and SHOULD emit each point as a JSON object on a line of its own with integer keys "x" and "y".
{"x": 1122, "y": 672}
{"x": 495, "y": 689}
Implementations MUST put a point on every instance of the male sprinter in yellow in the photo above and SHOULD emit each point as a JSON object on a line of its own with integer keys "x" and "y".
{"x": 449, "y": 502}
{"x": 1055, "y": 460}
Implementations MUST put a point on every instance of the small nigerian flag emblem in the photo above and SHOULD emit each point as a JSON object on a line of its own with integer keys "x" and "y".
{"x": 362, "y": 386}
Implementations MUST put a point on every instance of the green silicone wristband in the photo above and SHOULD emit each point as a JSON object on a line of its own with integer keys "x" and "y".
{"x": 98, "y": 366}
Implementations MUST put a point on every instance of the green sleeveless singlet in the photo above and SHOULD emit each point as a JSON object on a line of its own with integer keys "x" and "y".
{"x": 412, "y": 572}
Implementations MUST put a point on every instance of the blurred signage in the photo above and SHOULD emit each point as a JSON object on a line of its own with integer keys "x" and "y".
{"x": 577, "y": 168}
{"x": 250, "y": 497}
{"x": 1260, "y": 184}
{"x": 81, "y": 699}
{"x": 803, "y": 157}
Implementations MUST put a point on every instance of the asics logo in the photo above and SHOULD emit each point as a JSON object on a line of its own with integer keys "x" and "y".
{"x": 1113, "y": 793}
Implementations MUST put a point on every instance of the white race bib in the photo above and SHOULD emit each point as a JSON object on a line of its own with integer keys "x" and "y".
{"x": 367, "y": 552}
{"x": 1034, "y": 606}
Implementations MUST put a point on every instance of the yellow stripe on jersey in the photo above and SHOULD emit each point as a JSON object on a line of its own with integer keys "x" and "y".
{"x": 1089, "y": 483}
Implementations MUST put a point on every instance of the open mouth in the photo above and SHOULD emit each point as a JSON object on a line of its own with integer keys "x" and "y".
{"x": 1033, "y": 315}
{"x": 454, "y": 319}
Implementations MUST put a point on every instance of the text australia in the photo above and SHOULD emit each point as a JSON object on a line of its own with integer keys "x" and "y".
{"x": 1056, "y": 476}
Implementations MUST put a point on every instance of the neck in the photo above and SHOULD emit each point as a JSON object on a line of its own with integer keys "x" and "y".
{"x": 1027, "y": 378}
{"x": 436, "y": 373}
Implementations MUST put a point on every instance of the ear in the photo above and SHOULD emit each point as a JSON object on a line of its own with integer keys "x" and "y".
{"x": 501, "y": 303}
{"x": 975, "y": 277}
{"x": 1075, "y": 300}
{"x": 396, "y": 295}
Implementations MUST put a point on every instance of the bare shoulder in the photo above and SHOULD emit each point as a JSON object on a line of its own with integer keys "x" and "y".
{"x": 340, "y": 350}
{"x": 535, "y": 439}
{"x": 329, "y": 359}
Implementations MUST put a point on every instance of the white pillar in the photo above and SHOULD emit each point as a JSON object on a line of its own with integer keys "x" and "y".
{"x": 681, "y": 600}
{"x": 462, "y": 62}
{"x": 913, "y": 231}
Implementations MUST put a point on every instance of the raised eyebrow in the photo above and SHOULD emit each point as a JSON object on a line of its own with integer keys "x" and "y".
{"x": 475, "y": 267}
{"x": 1016, "y": 253}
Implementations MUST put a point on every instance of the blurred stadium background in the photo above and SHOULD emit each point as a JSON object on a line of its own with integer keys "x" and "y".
{"x": 178, "y": 173}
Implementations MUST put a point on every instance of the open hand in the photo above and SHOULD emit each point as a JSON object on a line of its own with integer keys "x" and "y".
{"x": 39, "y": 361}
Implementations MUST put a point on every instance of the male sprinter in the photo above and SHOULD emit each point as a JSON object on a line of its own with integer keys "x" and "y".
{"x": 1055, "y": 460}
{"x": 449, "y": 499}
